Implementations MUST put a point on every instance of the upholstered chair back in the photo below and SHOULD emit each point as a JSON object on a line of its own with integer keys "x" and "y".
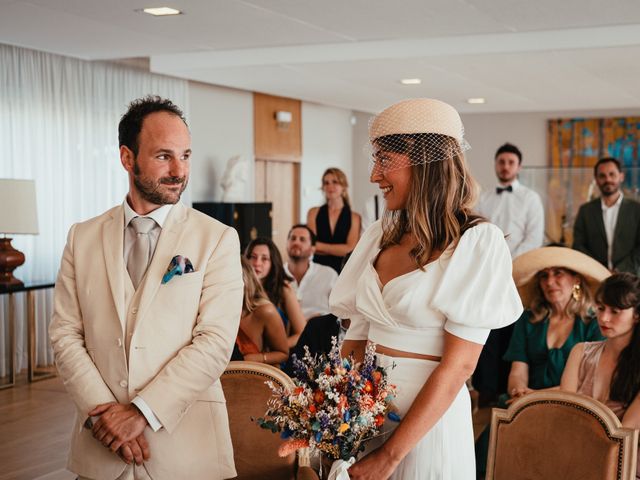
{"x": 255, "y": 450}
{"x": 560, "y": 435}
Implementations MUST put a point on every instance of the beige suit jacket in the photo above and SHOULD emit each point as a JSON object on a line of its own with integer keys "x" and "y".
{"x": 180, "y": 343}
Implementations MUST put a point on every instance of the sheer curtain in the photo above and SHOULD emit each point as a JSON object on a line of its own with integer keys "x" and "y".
{"x": 59, "y": 126}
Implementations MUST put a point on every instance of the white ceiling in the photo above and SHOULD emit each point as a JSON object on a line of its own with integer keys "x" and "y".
{"x": 533, "y": 55}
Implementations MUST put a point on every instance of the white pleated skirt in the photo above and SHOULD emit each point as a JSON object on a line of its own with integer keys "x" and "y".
{"x": 446, "y": 452}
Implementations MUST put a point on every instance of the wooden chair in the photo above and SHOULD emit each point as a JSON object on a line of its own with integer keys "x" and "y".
{"x": 255, "y": 450}
{"x": 559, "y": 435}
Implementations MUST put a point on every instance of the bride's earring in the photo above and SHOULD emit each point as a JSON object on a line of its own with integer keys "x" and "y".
{"x": 576, "y": 292}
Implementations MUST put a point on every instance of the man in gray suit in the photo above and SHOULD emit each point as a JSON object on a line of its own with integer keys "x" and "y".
{"x": 608, "y": 228}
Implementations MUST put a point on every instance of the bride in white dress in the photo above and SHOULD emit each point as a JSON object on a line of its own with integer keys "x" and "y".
{"x": 426, "y": 283}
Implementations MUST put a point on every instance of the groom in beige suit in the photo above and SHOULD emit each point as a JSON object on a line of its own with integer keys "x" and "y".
{"x": 142, "y": 357}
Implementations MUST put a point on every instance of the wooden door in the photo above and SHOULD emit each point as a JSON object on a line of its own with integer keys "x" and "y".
{"x": 279, "y": 183}
{"x": 278, "y": 150}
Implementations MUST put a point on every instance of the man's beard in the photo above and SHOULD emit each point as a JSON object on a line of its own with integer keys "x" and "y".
{"x": 298, "y": 258}
{"x": 507, "y": 179}
{"x": 609, "y": 192}
{"x": 149, "y": 189}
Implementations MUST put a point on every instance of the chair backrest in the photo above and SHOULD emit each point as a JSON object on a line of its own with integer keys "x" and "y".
{"x": 255, "y": 450}
{"x": 560, "y": 435}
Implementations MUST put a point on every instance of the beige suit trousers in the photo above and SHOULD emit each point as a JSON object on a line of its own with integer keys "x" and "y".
{"x": 132, "y": 472}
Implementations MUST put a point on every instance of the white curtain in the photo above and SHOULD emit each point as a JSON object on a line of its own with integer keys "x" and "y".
{"x": 59, "y": 126}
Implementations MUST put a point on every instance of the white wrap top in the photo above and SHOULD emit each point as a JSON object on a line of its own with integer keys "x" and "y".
{"x": 467, "y": 292}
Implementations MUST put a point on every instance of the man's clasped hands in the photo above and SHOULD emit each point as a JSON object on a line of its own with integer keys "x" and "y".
{"x": 120, "y": 429}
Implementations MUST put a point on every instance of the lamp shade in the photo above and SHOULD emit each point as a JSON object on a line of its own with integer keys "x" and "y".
{"x": 18, "y": 212}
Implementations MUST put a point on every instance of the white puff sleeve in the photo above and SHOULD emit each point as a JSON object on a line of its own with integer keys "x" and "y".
{"x": 342, "y": 301}
{"x": 477, "y": 292}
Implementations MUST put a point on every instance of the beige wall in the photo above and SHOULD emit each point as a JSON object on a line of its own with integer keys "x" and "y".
{"x": 221, "y": 123}
{"x": 362, "y": 188}
{"x": 326, "y": 142}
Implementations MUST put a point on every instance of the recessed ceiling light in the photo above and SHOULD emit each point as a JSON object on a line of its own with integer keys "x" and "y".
{"x": 476, "y": 101}
{"x": 411, "y": 81}
{"x": 161, "y": 11}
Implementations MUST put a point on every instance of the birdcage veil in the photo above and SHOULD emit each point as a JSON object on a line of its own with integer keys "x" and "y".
{"x": 413, "y": 132}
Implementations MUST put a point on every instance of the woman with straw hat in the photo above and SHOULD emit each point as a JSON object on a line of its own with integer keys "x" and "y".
{"x": 556, "y": 285}
{"x": 426, "y": 284}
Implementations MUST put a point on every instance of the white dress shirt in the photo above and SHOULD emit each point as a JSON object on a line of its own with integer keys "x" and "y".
{"x": 610, "y": 218}
{"x": 519, "y": 214}
{"x": 159, "y": 215}
{"x": 314, "y": 289}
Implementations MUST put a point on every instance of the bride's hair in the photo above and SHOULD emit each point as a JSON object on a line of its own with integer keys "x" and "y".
{"x": 441, "y": 195}
{"x": 622, "y": 291}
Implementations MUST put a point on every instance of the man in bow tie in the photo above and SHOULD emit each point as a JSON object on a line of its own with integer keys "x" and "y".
{"x": 518, "y": 211}
{"x": 141, "y": 358}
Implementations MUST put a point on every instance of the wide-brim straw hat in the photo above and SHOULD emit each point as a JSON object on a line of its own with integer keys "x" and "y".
{"x": 417, "y": 115}
{"x": 527, "y": 265}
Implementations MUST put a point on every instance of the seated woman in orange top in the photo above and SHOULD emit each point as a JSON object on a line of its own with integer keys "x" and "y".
{"x": 261, "y": 337}
{"x": 265, "y": 260}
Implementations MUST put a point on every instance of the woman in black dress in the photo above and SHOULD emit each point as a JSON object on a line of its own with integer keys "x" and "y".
{"x": 337, "y": 228}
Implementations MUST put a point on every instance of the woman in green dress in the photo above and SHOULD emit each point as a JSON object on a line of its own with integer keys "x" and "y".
{"x": 557, "y": 285}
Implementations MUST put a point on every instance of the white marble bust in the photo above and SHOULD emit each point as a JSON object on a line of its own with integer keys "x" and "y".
{"x": 234, "y": 180}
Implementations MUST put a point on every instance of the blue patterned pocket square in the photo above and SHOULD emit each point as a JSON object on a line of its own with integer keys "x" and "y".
{"x": 178, "y": 266}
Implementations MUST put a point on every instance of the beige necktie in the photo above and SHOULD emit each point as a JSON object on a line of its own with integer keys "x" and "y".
{"x": 140, "y": 253}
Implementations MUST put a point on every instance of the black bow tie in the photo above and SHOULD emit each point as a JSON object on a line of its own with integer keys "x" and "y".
{"x": 499, "y": 190}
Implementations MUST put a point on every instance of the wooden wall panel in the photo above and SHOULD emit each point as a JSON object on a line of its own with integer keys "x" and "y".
{"x": 274, "y": 142}
{"x": 261, "y": 181}
{"x": 281, "y": 182}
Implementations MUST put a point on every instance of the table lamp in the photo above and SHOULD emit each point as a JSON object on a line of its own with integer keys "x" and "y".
{"x": 18, "y": 215}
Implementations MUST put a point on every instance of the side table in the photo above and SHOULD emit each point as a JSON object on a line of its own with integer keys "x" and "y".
{"x": 34, "y": 372}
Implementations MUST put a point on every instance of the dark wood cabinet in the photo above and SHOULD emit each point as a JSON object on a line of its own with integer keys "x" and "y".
{"x": 251, "y": 220}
